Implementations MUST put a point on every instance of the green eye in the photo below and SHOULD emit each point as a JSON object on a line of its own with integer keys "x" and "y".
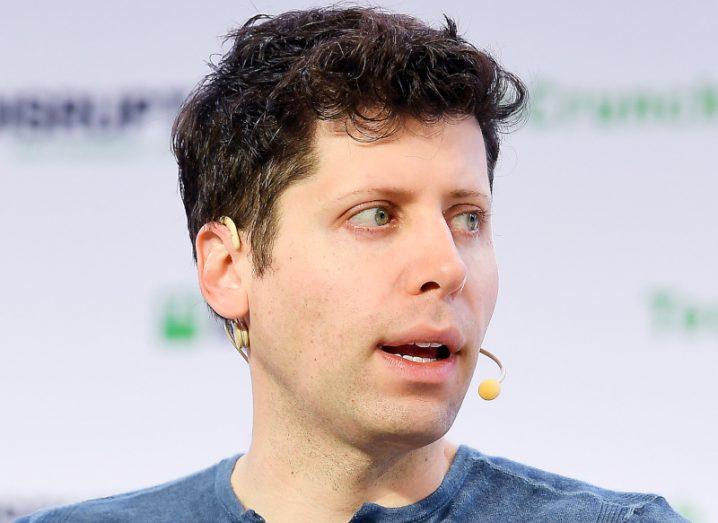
{"x": 472, "y": 220}
{"x": 374, "y": 216}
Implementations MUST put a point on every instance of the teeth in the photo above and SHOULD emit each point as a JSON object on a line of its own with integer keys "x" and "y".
{"x": 427, "y": 344}
{"x": 417, "y": 359}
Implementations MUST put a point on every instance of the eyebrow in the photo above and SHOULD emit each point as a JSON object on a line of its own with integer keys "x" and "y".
{"x": 402, "y": 194}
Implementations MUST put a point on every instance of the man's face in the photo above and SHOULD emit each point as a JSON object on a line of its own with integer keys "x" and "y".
{"x": 372, "y": 247}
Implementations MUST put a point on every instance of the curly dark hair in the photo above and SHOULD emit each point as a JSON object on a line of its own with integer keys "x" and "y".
{"x": 245, "y": 133}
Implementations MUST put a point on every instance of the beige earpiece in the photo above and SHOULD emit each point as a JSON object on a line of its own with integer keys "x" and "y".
{"x": 491, "y": 388}
{"x": 227, "y": 222}
{"x": 238, "y": 334}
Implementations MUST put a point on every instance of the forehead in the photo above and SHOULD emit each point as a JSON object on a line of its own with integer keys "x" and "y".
{"x": 445, "y": 156}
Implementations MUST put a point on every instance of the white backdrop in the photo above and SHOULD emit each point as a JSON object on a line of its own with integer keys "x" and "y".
{"x": 112, "y": 377}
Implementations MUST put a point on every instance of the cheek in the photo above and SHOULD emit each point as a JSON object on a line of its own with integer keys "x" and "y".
{"x": 484, "y": 290}
{"x": 309, "y": 303}
{"x": 492, "y": 281}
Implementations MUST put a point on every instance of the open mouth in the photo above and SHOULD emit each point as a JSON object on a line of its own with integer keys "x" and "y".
{"x": 418, "y": 354}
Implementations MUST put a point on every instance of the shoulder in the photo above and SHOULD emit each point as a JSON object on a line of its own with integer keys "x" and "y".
{"x": 548, "y": 492}
{"x": 191, "y": 498}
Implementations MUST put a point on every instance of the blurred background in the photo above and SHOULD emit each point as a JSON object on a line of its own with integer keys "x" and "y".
{"x": 112, "y": 375}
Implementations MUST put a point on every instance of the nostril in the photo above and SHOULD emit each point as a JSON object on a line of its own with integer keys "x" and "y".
{"x": 429, "y": 285}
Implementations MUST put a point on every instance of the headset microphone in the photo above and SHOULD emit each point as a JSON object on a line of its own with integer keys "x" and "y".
{"x": 489, "y": 389}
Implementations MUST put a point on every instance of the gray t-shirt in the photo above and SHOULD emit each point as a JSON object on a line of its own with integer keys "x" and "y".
{"x": 477, "y": 488}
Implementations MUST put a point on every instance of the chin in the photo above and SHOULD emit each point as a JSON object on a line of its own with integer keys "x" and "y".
{"x": 419, "y": 426}
{"x": 411, "y": 440}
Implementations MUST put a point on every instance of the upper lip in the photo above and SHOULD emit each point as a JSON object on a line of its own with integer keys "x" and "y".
{"x": 449, "y": 336}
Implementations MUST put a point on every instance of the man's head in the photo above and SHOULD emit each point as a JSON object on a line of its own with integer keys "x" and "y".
{"x": 354, "y": 149}
{"x": 245, "y": 134}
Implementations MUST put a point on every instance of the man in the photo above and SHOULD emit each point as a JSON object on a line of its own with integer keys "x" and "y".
{"x": 336, "y": 169}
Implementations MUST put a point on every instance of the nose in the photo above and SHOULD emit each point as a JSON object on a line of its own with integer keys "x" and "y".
{"x": 435, "y": 262}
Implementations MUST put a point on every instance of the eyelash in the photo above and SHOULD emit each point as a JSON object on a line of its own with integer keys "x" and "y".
{"x": 482, "y": 215}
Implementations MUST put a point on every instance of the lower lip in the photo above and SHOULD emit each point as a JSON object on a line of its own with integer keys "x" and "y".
{"x": 437, "y": 371}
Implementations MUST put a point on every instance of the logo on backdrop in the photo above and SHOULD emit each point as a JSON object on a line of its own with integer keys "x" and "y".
{"x": 674, "y": 312}
{"x": 79, "y": 127}
{"x": 183, "y": 321}
{"x": 47, "y": 114}
{"x": 558, "y": 106}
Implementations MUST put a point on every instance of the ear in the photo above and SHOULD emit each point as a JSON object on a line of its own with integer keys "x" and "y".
{"x": 223, "y": 270}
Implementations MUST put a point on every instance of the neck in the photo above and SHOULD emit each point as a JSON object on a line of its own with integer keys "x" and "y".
{"x": 295, "y": 472}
